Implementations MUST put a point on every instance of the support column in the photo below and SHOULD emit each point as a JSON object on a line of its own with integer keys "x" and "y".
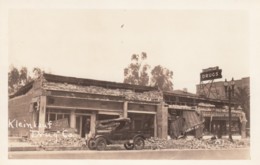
{"x": 243, "y": 126}
{"x": 243, "y": 129}
{"x": 93, "y": 118}
{"x": 162, "y": 121}
{"x": 72, "y": 119}
{"x": 155, "y": 126}
{"x": 42, "y": 114}
{"x": 125, "y": 109}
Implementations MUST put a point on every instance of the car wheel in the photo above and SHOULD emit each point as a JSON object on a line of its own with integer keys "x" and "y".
{"x": 91, "y": 144}
{"x": 138, "y": 143}
{"x": 101, "y": 144}
{"x": 129, "y": 146}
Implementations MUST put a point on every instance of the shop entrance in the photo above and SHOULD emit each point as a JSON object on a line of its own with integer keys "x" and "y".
{"x": 83, "y": 125}
{"x": 142, "y": 122}
{"x": 219, "y": 126}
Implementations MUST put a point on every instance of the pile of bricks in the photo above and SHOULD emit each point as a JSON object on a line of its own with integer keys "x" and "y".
{"x": 59, "y": 140}
{"x": 128, "y": 94}
{"x": 156, "y": 143}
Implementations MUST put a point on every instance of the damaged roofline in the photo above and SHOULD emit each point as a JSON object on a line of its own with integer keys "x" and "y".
{"x": 84, "y": 82}
{"x": 92, "y": 82}
{"x": 23, "y": 90}
{"x": 194, "y": 96}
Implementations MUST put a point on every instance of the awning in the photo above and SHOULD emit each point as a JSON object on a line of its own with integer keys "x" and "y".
{"x": 176, "y": 127}
{"x": 218, "y": 115}
{"x": 189, "y": 121}
{"x": 192, "y": 119}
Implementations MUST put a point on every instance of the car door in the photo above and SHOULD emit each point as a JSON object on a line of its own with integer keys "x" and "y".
{"x": 116, "y": 134}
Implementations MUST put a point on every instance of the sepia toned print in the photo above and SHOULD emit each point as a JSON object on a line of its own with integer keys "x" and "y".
{"x": 128, "y": 84}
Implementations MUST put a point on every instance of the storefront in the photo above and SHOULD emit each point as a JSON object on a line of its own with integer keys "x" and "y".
{"x": 74, "y": 103}
{"x": 217, "y": 121}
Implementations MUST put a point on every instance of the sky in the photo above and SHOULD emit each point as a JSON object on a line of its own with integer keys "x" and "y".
{"x": 98, "y": 43}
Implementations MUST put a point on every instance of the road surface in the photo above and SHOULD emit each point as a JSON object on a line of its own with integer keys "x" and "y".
{"x": 234, "y": 154}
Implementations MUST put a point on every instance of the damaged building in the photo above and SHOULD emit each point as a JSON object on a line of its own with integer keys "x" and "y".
{"x": 69, "y": 103}
{"x": 202, "y": 116}
{"x": 73, "y": 101}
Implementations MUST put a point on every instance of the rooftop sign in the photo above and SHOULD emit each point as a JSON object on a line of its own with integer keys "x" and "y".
{"x": 210, "y": 73}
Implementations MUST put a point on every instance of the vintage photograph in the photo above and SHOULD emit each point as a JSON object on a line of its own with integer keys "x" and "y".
{"x": 135, "y": 84}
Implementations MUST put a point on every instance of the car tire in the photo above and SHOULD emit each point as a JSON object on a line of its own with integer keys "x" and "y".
{"x": 129, "y": 146}
{"x": 91, "y": 144}
{"x": 139, "y": 143}
{"x": 101, "y": 144}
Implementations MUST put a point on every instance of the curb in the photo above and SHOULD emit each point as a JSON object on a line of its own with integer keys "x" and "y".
{"x": 54, "y": 148}
{"x": 46, "y": 148}
{"x": 24, "y": 148}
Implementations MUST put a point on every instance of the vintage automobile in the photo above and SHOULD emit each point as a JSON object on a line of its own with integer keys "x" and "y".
{"x": 117, "y": 131}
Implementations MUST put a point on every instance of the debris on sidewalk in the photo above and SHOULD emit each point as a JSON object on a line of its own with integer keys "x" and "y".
{"x": 157, "y": 143}
{"x": 58, "y": 139}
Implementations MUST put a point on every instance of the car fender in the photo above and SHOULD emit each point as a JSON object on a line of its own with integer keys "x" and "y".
{"x": 100, "y": 136}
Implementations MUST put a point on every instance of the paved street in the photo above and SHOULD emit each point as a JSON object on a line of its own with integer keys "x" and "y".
{"x": 234, "y": 154}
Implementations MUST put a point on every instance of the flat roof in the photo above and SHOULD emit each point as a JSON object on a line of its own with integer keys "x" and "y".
{"x": 84, "y": 82}
{"x": 100, "y": 83}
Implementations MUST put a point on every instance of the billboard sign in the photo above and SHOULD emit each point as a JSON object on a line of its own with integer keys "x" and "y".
{"x": 210, "y": 74}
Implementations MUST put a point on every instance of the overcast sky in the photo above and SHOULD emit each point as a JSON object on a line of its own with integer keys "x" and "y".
{"x": 98, "y": 44}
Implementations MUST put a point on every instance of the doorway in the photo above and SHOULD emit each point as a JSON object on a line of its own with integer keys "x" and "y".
{"x": 83, "y": 125}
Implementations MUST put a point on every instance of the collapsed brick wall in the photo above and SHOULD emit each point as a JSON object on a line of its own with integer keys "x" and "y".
{"x": 18, "y": 111}
{"x": 127, "y": 94}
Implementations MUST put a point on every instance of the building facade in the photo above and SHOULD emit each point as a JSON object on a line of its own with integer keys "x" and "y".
{"x": 216, "y": 90}
{"x": 54, "y": 102}
{"x": 213, "y": 113}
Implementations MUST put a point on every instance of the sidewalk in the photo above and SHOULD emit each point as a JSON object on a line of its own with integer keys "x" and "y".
{"x": 20, "y": 144}
{"x": 26, "y": 146}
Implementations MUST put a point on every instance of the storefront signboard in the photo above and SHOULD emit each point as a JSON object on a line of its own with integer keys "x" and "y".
{"x": 210, "y": 74}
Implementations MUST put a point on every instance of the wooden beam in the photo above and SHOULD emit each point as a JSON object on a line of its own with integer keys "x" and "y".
{"x": 72, "y": 119}
{"x": 80, "y": 108}
{"x": 125, "y": 109}
{"x": 143, "y": 112}
{"x": 108, "y": 113}
{"x": 93, "y": 118}
{"x": 80, "y": 98}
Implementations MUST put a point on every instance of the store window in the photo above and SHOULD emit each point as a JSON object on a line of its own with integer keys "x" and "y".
{"x": 60, "y": 116}
{"x": 52, "y": 116}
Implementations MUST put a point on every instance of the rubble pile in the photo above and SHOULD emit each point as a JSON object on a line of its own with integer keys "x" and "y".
{"x": 128, "y": 94}
{"x": 59, "y": 140}
{"x": 156, "y": 143}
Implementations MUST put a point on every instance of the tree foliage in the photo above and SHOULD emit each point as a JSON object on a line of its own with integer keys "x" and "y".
{"x": 20, "y": 77}
{"x": 138, "y": 73}
{"x": 162, "y": 77}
